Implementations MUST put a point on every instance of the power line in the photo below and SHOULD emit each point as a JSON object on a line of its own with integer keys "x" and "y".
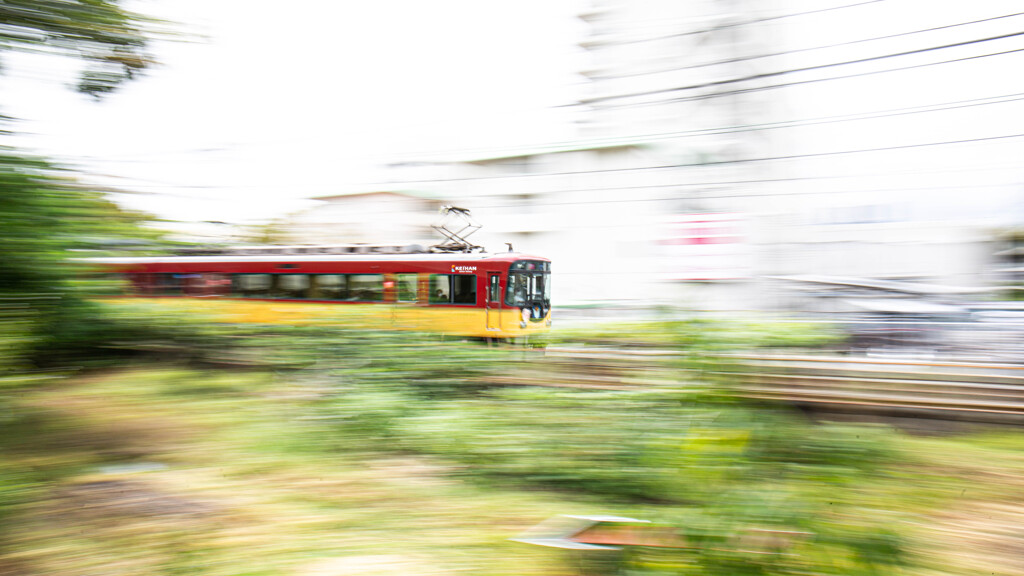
{"x": 861, "y": 151}
{"x": 798, "y": 83}
{"x": 809, "y": 49}
{"x": 699, "y": 195}
{"x": 940, "y": 107}
{"x": 777, "y": 73}
{"x": 671, "y": 166}
{"x": 643, "y": 138}
{"x": 747, "y": 23}
{"x": 727, "y": 162}
{"x": 814, "y": 121}
{"x": 943, "y": 107}
{"x": 716, "y": 195}
{"x": 690, "y": 184}
{"x": 136, "y": 188}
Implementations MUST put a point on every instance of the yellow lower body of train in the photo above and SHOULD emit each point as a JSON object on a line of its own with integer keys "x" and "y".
{"x": 503, "y": 323}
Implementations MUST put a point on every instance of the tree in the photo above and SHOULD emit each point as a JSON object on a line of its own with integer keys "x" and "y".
{"x": 44, "y": 211}
{"x": 110, "y": 39}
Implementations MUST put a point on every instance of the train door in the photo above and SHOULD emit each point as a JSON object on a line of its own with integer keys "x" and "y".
{"x": 494, "y": 301}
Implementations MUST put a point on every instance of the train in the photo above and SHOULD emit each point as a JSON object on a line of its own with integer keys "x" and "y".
{"x": 503, "y": 296}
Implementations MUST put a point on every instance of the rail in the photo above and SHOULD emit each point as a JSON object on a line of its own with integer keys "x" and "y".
{"x": 954, "y": 390}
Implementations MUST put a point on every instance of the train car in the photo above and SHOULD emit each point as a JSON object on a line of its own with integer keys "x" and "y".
{"x": 503, "y": 295}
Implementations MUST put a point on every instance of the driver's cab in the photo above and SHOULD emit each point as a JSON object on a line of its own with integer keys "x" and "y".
{"x": 529, "y": 288}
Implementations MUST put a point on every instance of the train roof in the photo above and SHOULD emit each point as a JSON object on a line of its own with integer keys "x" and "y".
{"x": 233, "y": 258}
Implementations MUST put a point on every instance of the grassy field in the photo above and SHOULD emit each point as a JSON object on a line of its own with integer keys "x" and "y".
{"x": 170, "y": 471}
{"x": 161, "y": 469}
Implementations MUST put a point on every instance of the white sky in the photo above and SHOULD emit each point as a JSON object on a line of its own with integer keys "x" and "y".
{"x": 279, "y": 102}
{"x": 270, "y": 105}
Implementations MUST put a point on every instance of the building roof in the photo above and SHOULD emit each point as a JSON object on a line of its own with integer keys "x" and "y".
{"x": 903, "y": 306}
{"x": 418, "y": 194}
{"x": 522, "y": 152}
{"x": 886, "y": 285}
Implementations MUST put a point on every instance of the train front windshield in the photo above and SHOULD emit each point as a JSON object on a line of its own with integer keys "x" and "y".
{"x": 529, "y": 284}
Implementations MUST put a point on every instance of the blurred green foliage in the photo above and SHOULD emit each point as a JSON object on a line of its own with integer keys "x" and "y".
{"x": 46, "y": 216}
{"x": 45, "y": 213}
{"x": 719, "y": 471}
{"x": 721, "y": 467}
{"x": 732, "y": 467}
{"x": 111, "y": 40}
{"x": 699, "y": 335}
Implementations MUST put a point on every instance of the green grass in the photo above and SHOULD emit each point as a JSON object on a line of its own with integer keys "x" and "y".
{"x": 236, "y": 484}
{"x": 371, "y": 459}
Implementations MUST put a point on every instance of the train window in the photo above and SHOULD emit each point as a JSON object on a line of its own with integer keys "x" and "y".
{"x": 206, "y": 284}
{"x": 251, "y": 285}
{"x": 464, "y": 289}
{"x": 192, "y": 284}
{"x": 139, "y": 283}
{"x": 291, "y": 286}
{"x": 452, "y": 289}
{"x": 407, "y": 287}
{"x": 217, "y": 284}
{"x": 494, "y": 295}
{"x": 440, "y": 289}
{"x": 329, "y": 287}
{"x": 531, "y": 266}
{"x": 366, "y": 287}
{"x": 516, "y": 293}
{"x": 528, "y": 282}
{"x": 352, "y": 287}
{"x": 168, "y": 284}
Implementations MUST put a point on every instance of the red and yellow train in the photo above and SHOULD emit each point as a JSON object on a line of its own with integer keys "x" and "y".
{"x": 506, "y": 295}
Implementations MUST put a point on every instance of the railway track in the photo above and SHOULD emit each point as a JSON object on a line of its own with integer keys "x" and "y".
{"x": 969, "y": 391}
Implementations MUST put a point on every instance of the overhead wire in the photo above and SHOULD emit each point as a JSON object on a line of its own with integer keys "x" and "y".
{"x": 695, "y": 196}
{"x": 645, "y": 138}
{"x": 777, "y": 73}
{"x": 707, "y": 183}
{"x": 739, "y": 59}
{"x": 528, "y": 151}
{"x": 728, "y": 162}
{"x": 749, "y": 22}
{"x": 704, "y": 195}
{"x": 726, "y": 93}
{"x": 716, "y": 194}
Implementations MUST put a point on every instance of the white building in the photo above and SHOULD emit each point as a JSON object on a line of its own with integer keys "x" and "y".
{"x": 374, "y": 217}
{"x": 724, "y": 142}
